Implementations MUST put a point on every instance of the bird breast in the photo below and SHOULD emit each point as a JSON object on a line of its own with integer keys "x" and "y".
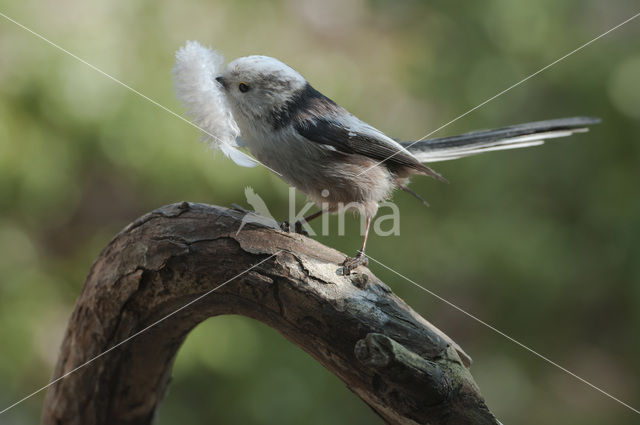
{"x": 331, "y": 179}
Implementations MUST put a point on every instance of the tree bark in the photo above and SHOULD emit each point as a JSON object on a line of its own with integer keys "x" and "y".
{"x": 403, "y": 367}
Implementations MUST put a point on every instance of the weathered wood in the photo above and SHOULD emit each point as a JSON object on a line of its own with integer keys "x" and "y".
{"x": 393, "y": 359}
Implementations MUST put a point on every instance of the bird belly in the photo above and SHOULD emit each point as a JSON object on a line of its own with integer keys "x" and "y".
{"x": 333, "y": 180}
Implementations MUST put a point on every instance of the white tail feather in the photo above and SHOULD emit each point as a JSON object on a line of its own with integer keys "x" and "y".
{"x": 445, "y": 153}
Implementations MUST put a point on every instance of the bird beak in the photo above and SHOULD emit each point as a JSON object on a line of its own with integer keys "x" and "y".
{"x": 222, "y": 82}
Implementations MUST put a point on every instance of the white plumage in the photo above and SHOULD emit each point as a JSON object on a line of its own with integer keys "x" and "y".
{"x": 194, "y": 78}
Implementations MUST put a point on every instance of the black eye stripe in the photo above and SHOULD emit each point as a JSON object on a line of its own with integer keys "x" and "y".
{"x": 243, "y": 87}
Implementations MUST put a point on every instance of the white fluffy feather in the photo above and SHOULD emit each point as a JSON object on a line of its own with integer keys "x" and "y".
{"x": 194, "y": 78}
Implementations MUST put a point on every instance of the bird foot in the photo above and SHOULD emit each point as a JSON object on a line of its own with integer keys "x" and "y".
{"x": 350, "y": 263}
{"x": 297, "y": 228}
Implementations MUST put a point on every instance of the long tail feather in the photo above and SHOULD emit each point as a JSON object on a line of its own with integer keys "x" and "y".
{"x": 516, "y": 136}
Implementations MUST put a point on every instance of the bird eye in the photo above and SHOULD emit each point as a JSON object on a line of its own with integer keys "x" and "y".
{"x": 243, "y": 87}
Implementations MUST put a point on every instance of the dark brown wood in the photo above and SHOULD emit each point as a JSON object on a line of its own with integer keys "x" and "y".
{"x": 394, "y": 360}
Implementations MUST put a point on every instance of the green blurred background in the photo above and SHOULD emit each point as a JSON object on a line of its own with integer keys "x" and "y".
{"x": 543, "y": 243}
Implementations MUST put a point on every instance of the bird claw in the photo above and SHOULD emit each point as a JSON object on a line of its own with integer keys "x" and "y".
{"x": 297, "y": 228}
{"x": 350, "y": 263}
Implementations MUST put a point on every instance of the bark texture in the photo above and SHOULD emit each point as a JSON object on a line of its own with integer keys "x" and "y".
{"x": 403, "y": 367}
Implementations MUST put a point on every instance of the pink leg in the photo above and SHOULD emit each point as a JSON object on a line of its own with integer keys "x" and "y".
{"x": 360, "y": 259}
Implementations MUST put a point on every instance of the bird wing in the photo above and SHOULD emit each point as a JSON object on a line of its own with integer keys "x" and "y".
{"x": 352, "y": 136}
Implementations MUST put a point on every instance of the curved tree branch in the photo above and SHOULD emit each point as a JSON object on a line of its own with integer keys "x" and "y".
{"x": 394, "y": 360}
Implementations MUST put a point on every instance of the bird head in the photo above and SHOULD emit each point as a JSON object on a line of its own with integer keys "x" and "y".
{"x": 259, "y": 86}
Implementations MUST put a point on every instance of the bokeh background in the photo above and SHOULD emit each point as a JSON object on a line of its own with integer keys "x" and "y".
{"x": 544, "y": 243}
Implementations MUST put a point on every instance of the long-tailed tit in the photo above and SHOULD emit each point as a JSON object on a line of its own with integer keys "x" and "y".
{"x": 335, "y": 158}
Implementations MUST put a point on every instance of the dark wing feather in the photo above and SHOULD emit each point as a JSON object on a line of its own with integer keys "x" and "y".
{"x": 346, "y": 140}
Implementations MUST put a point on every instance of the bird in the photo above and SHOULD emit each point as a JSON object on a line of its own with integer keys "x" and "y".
{"x": 335, "y": 158}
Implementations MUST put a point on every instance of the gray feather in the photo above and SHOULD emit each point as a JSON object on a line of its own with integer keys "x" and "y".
{"x": 354, "y": 140}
